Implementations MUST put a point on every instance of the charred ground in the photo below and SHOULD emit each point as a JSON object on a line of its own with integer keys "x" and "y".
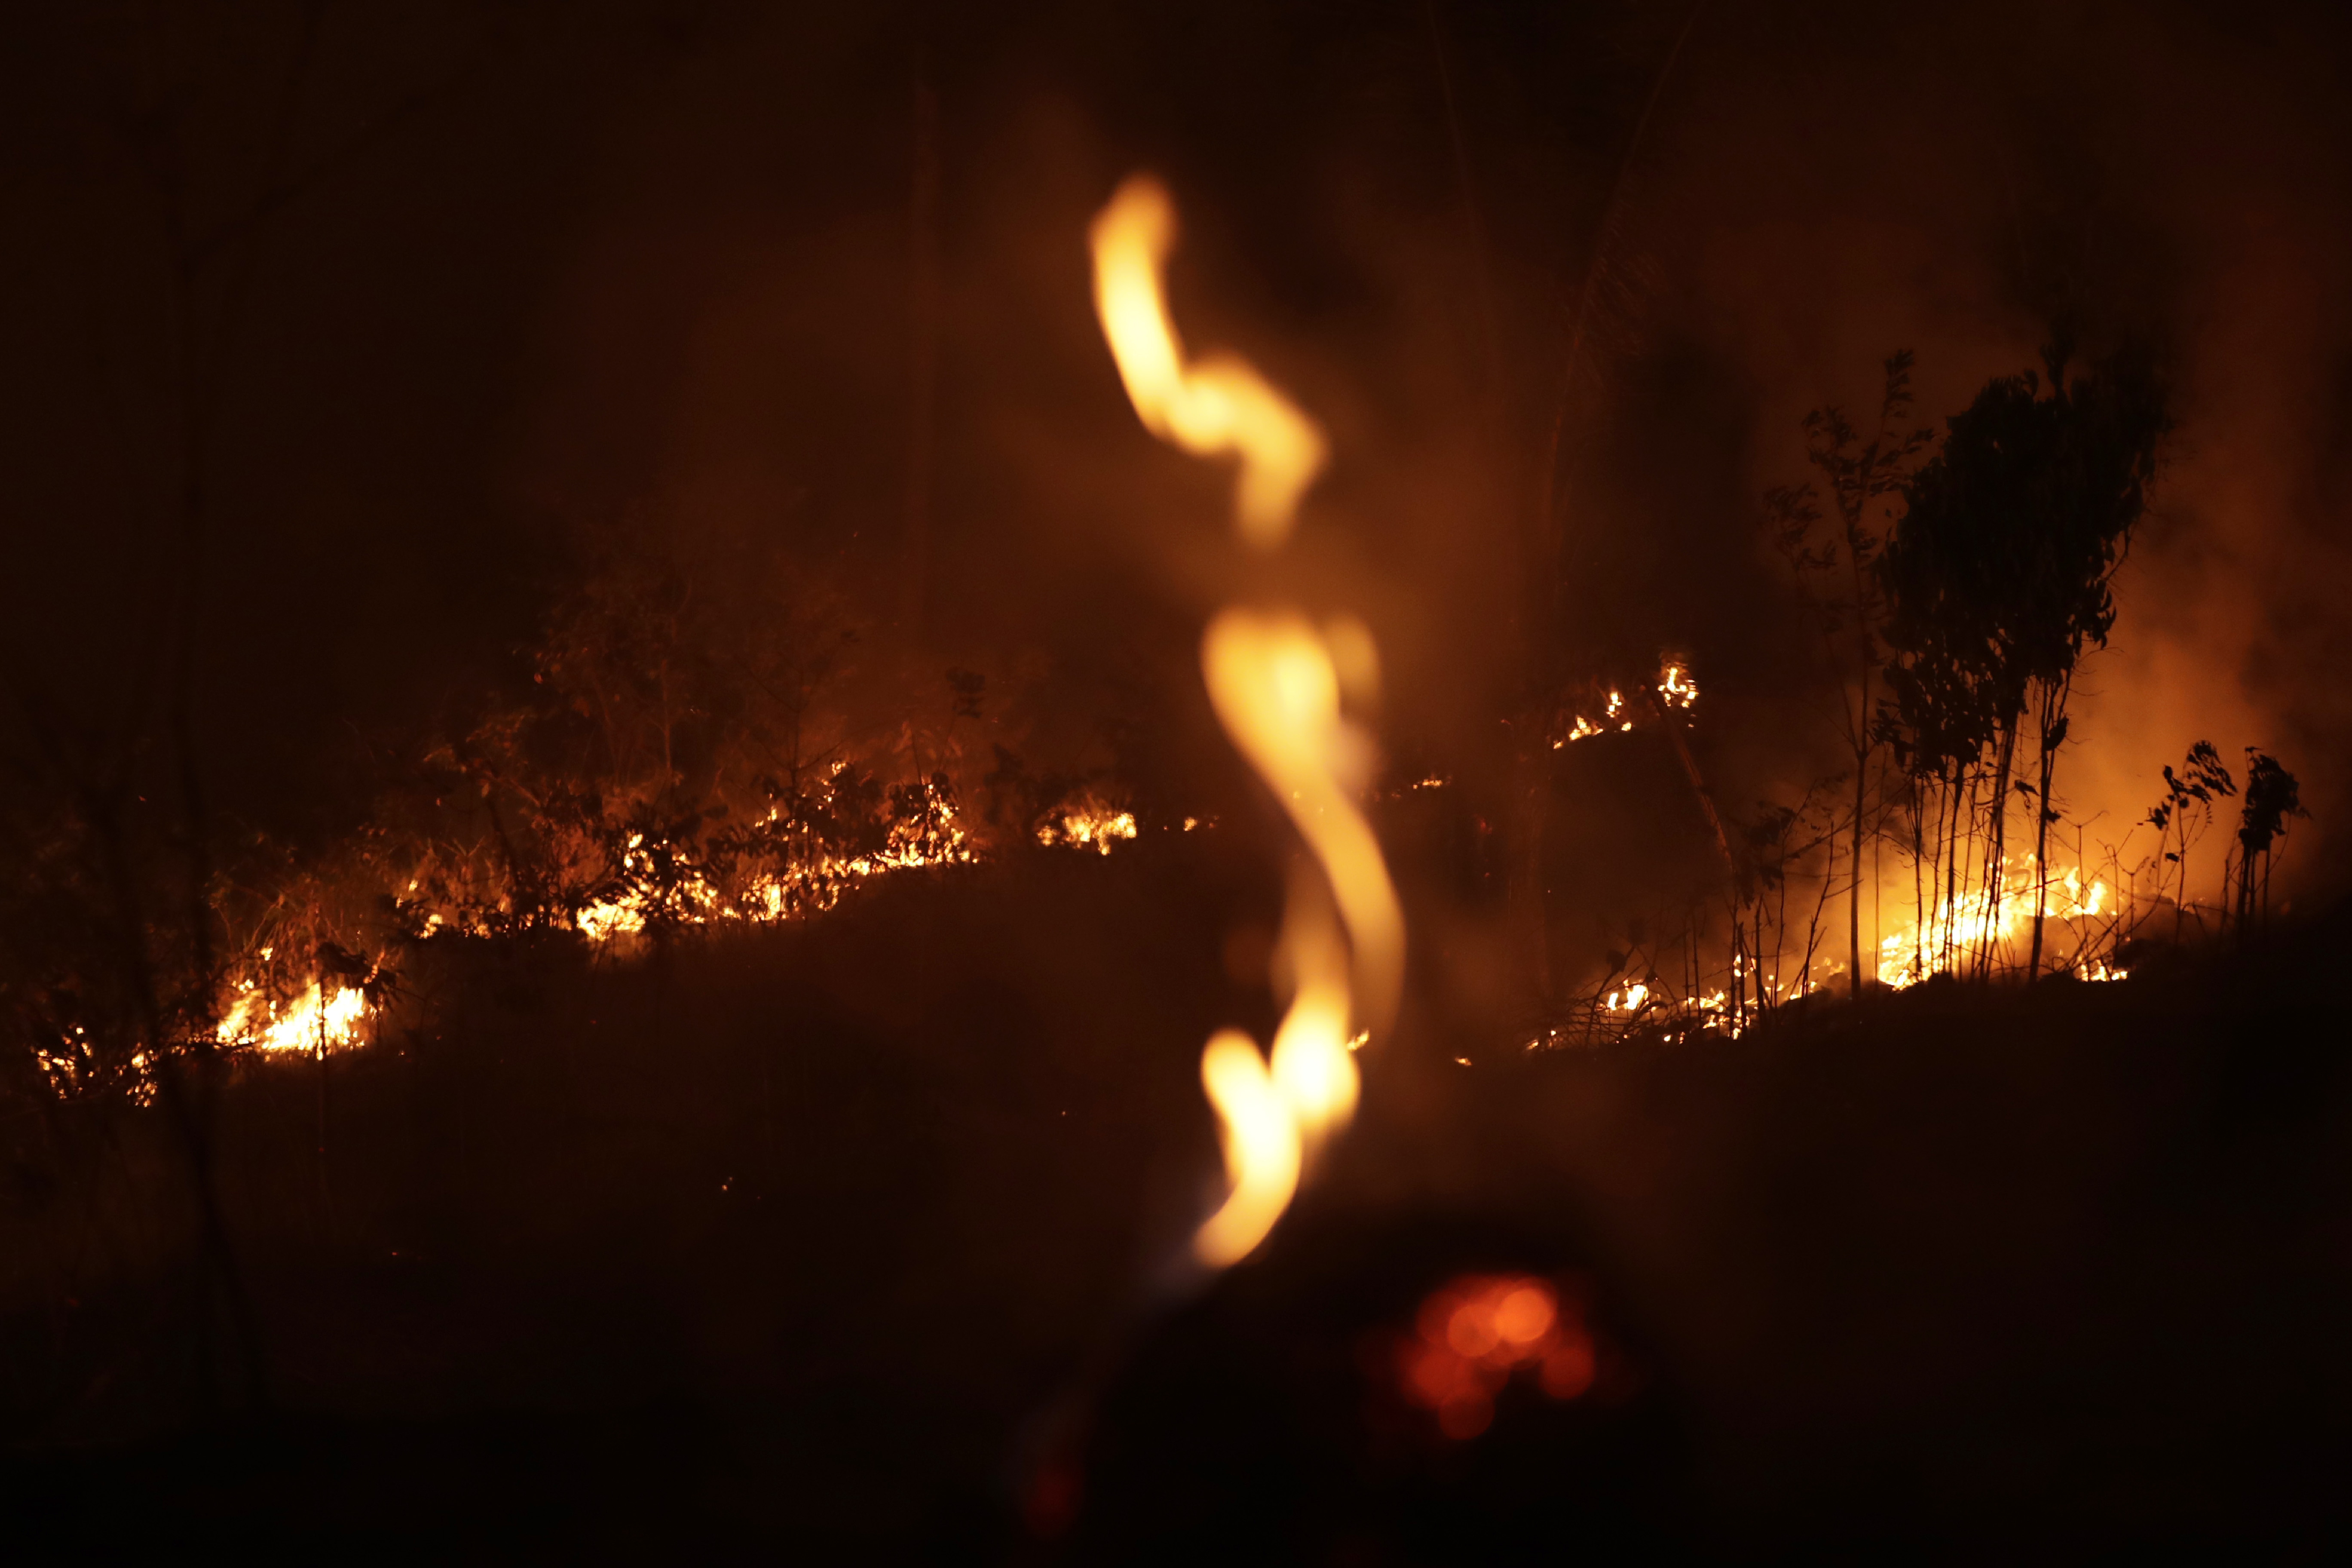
{"x": 865, "y": 1232}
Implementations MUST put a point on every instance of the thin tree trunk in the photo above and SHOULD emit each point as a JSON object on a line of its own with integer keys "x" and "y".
{"x": 1951, "y": 920}
{"x": 1535, "y": 798}
{"x": 1853, "y": 901}
{"x": 1675, "y": 738}
{"x": 1551, "y": 489}
{"x": 2181, "y": 893}
{"x": 1781, "y": 912}
{"x": 1879, "y": 871}
{"x": 1490, "y": 332}
{"x": 1821, "y": 906}
{"x": 922, "y": 344}
{"x": 326, "y": 1191}
{"x": 1739, "y": 973}
{"x": 1860, "y": 734}
{"x": 1918, "y": 888}
{"x": 1997, "y": 851}
{"x": 2052, "y": 706}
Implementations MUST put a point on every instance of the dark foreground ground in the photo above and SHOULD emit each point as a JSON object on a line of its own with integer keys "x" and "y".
{"x": 862, "y": 1242}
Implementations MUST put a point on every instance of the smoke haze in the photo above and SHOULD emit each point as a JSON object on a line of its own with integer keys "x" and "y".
{"x": 653, "y": 267}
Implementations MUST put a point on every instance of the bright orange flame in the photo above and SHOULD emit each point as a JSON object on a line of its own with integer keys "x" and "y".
{"x": 1087, "y": 825}
{"x": 1262, "y": 1145}
{"x": 308, "y": 1023}
{"x": 1960, "y": 929}
{"x": 1276, "y": 689}
{"x": 311, "y": 1022}
{"x": 1313, "y": 1064}
{"x": 1210, "y": 407}
{"x": 1277, "y": 682}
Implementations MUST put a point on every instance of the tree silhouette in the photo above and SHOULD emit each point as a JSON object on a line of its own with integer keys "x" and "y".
{"x": 1845, "y": 594}
{"x": 2202, "y": 778}
{"x": 2273, "y": 794}
{"x": 2000, "y": 575}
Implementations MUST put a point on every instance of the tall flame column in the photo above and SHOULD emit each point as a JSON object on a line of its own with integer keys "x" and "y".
{"x": 1277, "y": 682}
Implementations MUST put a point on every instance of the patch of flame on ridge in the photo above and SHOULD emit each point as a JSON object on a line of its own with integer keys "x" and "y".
{"x": 1963, "y": 932}
{"x": 1961, "y": 927}
{"x": 254, "y": 1020}
{"x": 1676, "y": 692}
{"x": 935, "y": 840}
{"x": 309, "y": 1023}
{"x": 1090, "y": 825}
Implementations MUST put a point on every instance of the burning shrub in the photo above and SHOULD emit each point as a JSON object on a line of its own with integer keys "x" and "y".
{"x": 2273, "y": 795}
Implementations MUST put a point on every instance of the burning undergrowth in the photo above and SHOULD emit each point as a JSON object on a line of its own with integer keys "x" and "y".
{"x": 685, "y": 758}
{"x": 1958, "y": 584}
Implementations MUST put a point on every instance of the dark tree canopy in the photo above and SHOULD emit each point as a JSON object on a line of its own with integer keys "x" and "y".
{"x": 2001, "y": 571}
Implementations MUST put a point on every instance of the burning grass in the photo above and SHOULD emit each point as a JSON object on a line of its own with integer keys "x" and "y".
{"x": 669, "y": 772}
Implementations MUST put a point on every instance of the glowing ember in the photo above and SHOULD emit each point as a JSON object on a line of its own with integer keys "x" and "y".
{"x": 1632, "y": 999}
{"x": 1090, "y": 826}
{"x": 1475, "y": 1333}
{"x": 1277, "y": 681}
{"x": 1677, "y": 691}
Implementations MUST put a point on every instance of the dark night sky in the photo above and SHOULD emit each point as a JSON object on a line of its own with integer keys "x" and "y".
{"x": 566, "y": 265}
